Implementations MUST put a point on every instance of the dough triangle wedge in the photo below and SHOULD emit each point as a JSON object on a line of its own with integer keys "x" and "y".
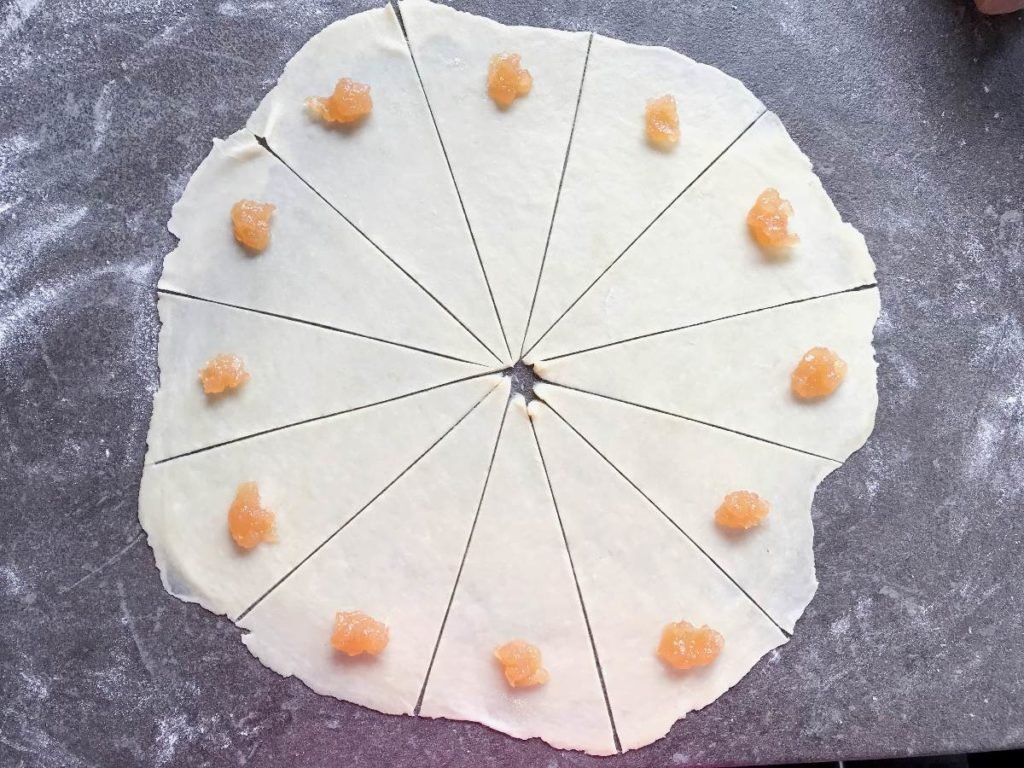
{"x": 388, "y": 174}
{"x": 507, "y": 162}
{"x": 698, "y": 262}
{"x": 686, "y": 469}
{"x": 316, "y": 268}
{"x": 397, "y": 561}
{"x": 615, "y": 183}
{"x": 314, "y": 477}
{"x": 735, "y": 373}
{"x": 637, "y": 573}
{"x": 297, "y": 372}
{"x": 517, "y": 583}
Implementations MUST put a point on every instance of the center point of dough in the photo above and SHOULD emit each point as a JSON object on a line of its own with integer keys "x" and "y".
{"x": 524, "y": 379}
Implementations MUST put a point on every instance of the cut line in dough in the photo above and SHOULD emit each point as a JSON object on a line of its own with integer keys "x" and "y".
{"x": 316, "y": 268}
{"x": 507, "y": 163}
{"x": 698, "y": 261}
{"x": 297, "y": 373}
{"x": 517, "y": 584}
{"x": 314, "y": 477}
{"x": 615, "y": 183}
{"x": 734, "y": 373}
{"x": 636, "y": 574}
{"x": 415, "y": 221}
{"x": 396, "y": 560}
{"x": 774, "y": 563}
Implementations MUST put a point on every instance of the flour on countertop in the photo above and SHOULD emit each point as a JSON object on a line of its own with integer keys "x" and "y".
{"x": 892, "y": 110}
{"x": 27, "y": 242}
{"x": 101, "y": 112}
{"x": 17, "y": 14}
{"x": 11, "y": 583}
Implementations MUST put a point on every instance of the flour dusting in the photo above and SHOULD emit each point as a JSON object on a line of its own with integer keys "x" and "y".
{"x": 34, "y": 686}
{"x": 101, "y": 112}
{"x": 170, "y": 731}
{"x": 27, "y": 242}
{"x": 10, "y": 582}
{"x": 17, "y": 15}
{"x": 15, "y": 151}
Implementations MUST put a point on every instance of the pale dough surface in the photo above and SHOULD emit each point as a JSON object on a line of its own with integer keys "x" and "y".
{"x": 396, "y": 561}
{"x": 297, "y": 372}
{"x": 735, "y": 373}
{"x": 316, "y": 268}
{"x": 698, "y": 261}
{"x": 315, "y": 477}
{"x": 458, "y": 516}
{"x": 388, "y": 175}
{"x": 518, "y": 584}
{"x": 507, "y": 163}
{"x": 686, "y": 469}
{"x": 615, "y": 183}
{"x": 636, "y": 571}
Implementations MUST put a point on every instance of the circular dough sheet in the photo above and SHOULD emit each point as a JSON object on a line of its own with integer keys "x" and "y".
{"x": 413, "y": 259}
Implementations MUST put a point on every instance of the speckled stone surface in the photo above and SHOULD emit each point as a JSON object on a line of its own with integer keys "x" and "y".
{"x": 912, "y": 111}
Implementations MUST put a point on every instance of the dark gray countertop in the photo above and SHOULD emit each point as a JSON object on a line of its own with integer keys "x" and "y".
{"x": 913, "y": 112}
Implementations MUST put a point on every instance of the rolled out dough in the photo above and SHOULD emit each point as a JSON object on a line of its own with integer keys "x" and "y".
{"x": 388, "y": 175}
{"x": 317, "y": 266}
{"x": 406, "y": 481}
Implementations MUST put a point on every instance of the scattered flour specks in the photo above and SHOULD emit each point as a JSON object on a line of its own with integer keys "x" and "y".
{"x": 17, "y": 322}
{"x": 11, "y": 583}
{"x": 6, "y": 205}
{"x": 52, "y": 303}
{"x": 22, "y": 248}
{"x": 170, "y": 731}
{"x": 101, "y": 112}
{"x": 910, "y": 606}
{"x": 13, "y": 151}
{"x": 983, "y": 448}
{"x": 17, "y": 14}
{"x": 863, "y": 609}
{"x": 176, "y": 185}
{"x": 1011, "y": 217}
{"x": 34, "y": 686}
{"x": 840, "y": 626}
{"x": 113, "y": 682}
{"x": 230, "y": 9}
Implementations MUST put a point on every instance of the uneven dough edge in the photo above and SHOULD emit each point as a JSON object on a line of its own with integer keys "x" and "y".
{"x": 382, "y": 684}
{"x": 631, "y": 669}
{"x": 586, "y": 323}
{"x": 853, "y": 410}
{"x": 460, "y": 285}
{"x": 551, "y": 300}
{"x": 152, "y": 507}
{"x": 270, "y": 117}
{"x": 507, "y": 163}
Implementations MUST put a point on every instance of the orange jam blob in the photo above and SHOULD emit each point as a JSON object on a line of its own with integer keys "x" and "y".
{"x": 222, "y": 373}
{"x": 684, "y": 646}
{"x": 356, "y": 632}
{"x": 662, "y": 121}
{"x": 742, "y": 510}
{"x": 251, "y": 222}
{"x": 521, "y": 663}
{"x": 249, "y": 522}
{"x": 768, "y": 221}
{"x": 506, "y": 80}
{"x": 349, "y": 103}
{"x": 818, "y": 374}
